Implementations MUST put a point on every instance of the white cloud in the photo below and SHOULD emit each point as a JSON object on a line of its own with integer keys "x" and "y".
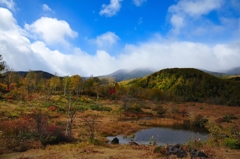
{"x": 195, "y": 7}
{"x": 21, "y": 54}
{"x": 105, "y": 40}
{"x": 79, "y": 62}
{"x": 189, "y": 19}
{"x": 8, "y": 3}
{"x": 168, "y": 54}
{"x": 15, "y": 47}
{"x": 7, "y": 22}
{"x": 46, "y": 8}
{"x": 139, "y": 2}
{"x": 111, "y": 9}
{"x": 177, "y": 22}
{"x": 51, "y": 30}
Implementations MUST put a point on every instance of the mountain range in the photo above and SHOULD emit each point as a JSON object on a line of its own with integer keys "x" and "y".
{"x": 124, "y": 74}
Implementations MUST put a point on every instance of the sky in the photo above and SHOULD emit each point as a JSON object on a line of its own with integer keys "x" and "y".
{"x": 98, "y": 37}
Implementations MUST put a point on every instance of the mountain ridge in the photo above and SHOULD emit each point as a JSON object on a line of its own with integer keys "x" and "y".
{"x": 44, "y": 74}
{"x": 124, "y": 74}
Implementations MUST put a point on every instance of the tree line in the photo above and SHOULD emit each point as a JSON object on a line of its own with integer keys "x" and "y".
{"x": 180, "y": 85}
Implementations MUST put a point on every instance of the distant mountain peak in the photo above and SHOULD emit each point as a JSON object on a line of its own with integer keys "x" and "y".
{"x": 121, "y": 71}
{"x": 125, "y": 74}
{"x": 233, "y": 71}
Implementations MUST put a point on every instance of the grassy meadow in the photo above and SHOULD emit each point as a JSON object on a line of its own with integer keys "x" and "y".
{"x": 37, "y": 128}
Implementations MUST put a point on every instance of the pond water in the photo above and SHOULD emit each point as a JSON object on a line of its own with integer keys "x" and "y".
{"x": 162, "y": 136}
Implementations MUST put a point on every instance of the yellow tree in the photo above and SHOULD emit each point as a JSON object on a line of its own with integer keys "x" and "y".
{"x": 55, "y": 82}
{"x": 75, "y": 83}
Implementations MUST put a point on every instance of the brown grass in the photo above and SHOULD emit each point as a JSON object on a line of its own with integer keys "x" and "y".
{"x": 109, "y": 124}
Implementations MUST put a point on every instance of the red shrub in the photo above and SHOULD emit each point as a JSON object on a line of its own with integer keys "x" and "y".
{"x": 15, "y": 127}
{"x": 53, "y": 135}
{"x": 219, "y": 120}
{"x": 52, "y": 108}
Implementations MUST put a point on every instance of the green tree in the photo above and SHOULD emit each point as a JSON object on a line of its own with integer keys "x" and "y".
{"x": 93, "y": 85}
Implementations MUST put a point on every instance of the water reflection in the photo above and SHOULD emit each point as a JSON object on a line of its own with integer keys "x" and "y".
{"x": 163, "y": 136}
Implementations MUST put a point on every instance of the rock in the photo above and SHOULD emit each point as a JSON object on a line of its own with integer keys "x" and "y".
{"x": 196, "y": 153}
{"x": 176, "y": 150}
{"x": 181, "y": 153}
{"x": 172, "y": 150}
{"x": 133, "y": 143}
{"x": 115, "y": 141}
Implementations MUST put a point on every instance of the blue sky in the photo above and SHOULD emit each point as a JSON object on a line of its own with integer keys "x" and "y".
{"x": 97, "y": 37}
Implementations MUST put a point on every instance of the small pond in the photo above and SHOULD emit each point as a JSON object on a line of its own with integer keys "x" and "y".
{"x": 162, "y": 136}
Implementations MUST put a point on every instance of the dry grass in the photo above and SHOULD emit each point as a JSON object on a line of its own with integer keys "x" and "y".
{"x": 109, "y": 124}
{"x": 119, "y": 128}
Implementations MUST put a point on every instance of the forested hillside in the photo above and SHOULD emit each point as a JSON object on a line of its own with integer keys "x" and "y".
{"x": 42, "y": 73}
{"x": 188, "y": 84}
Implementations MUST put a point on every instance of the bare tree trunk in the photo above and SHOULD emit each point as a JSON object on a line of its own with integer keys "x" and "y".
{"x": 71, "y": 116}
{"x": 65, "y": 88}
{"x": 90, "y": 122}
{"x": 82, "y": 88}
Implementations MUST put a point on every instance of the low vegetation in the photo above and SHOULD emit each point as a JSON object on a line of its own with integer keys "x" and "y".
{"x": 37, "y": 127}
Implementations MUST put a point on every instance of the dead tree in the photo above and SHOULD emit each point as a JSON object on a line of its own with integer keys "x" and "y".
{"x": 90, "y": 121}
{"x": 71, "y": 115}
{"x": 41, "y": 121}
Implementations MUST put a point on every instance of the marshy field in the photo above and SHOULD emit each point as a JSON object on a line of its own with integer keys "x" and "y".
{"x": 80, "y": 127}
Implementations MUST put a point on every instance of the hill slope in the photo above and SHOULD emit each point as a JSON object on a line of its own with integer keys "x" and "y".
{"x": 44, "y": 74}
{"x": 192, "y": 85}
